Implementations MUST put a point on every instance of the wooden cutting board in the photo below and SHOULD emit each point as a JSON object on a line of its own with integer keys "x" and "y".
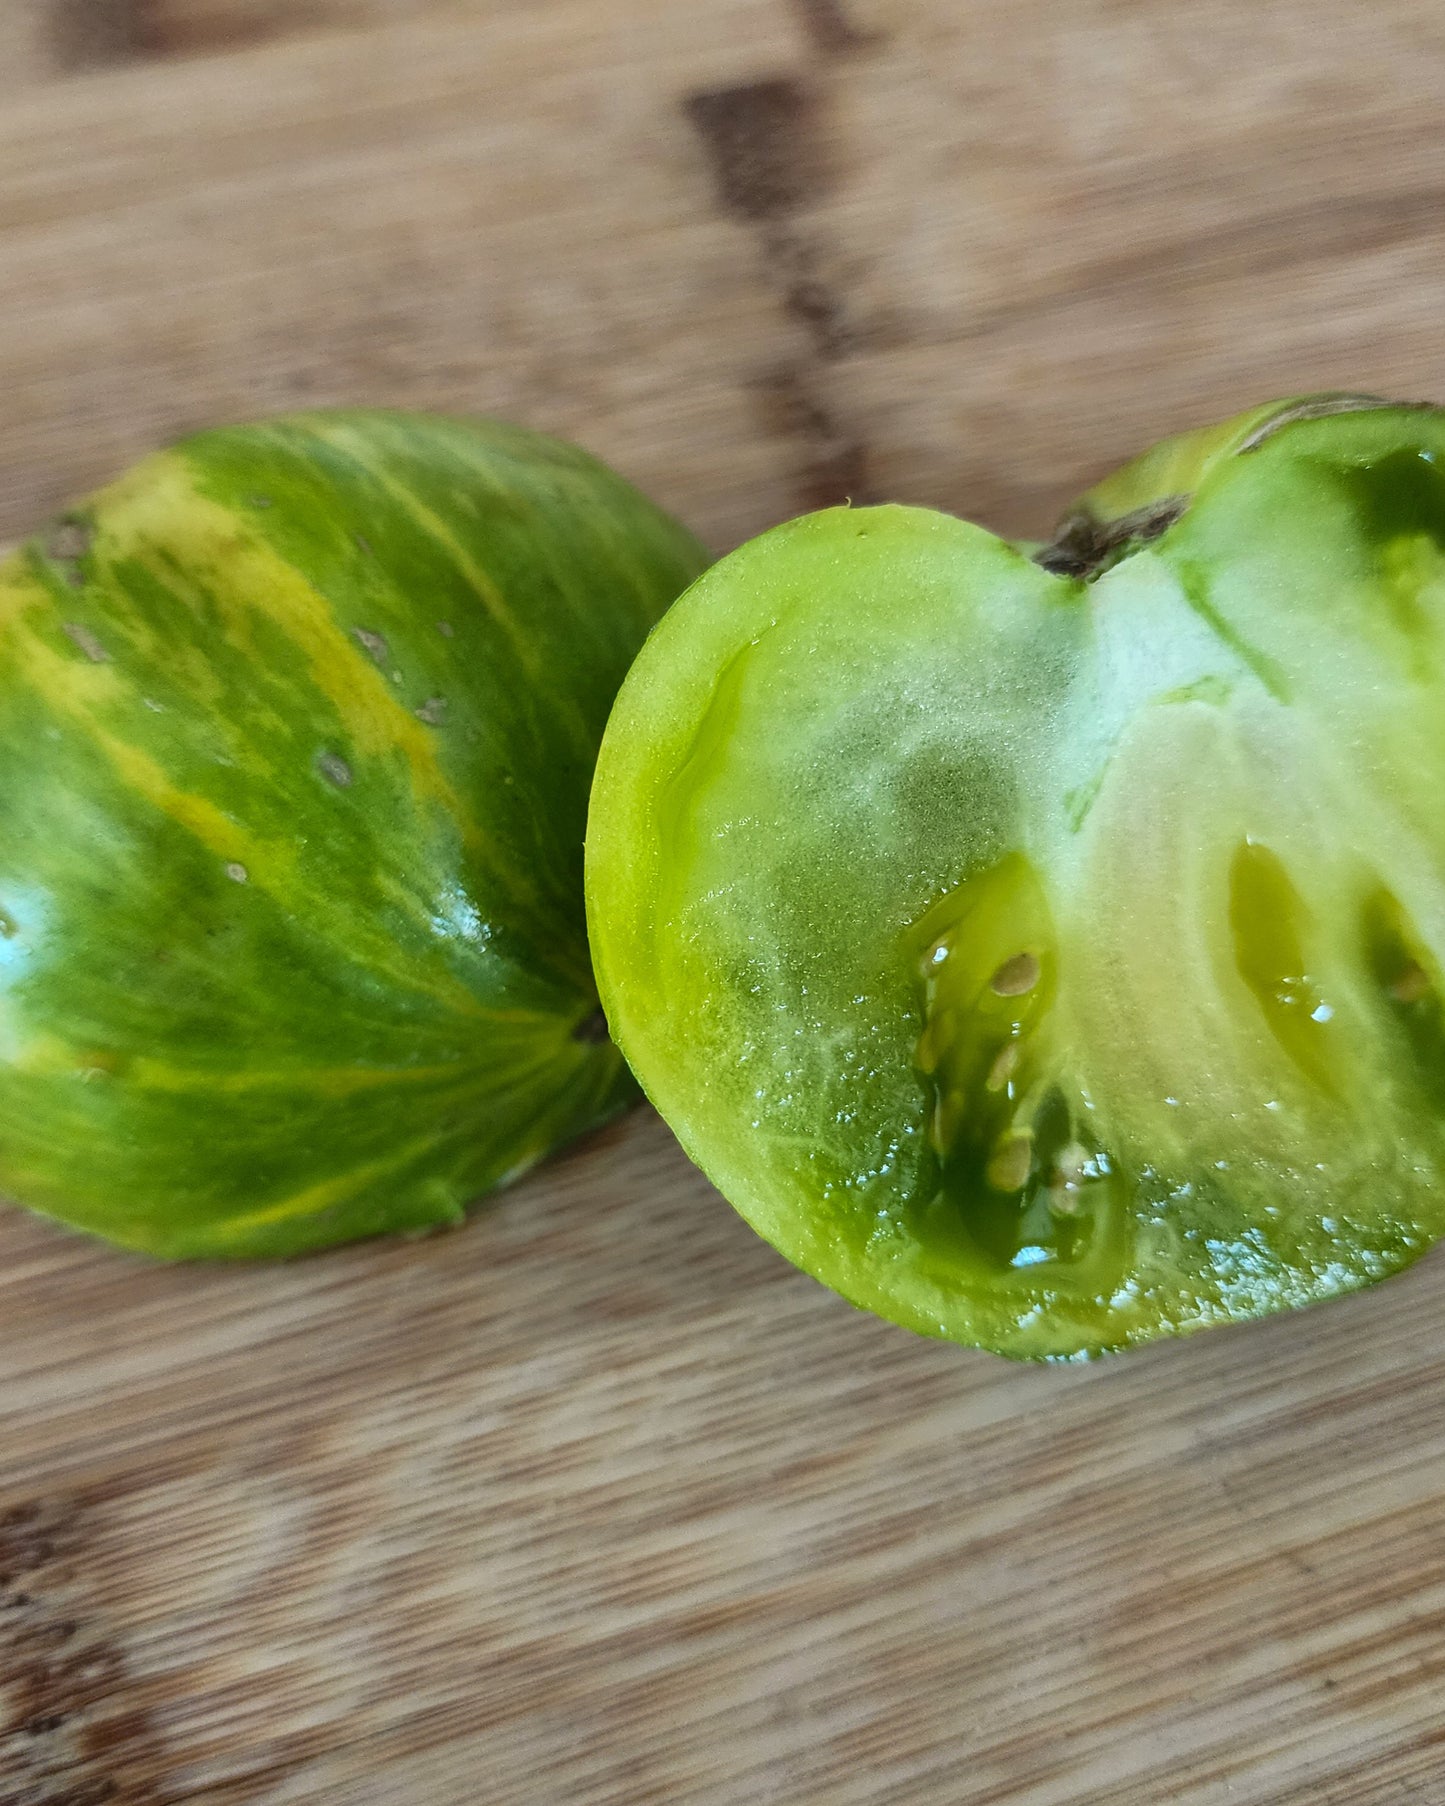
{"x": 596, "y": 1500}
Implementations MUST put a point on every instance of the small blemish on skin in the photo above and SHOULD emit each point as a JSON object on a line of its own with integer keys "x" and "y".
{"x": 374, "y": 643}
{"x": 363, "y": 544}
{"x": 432, "y": 710}
{"x": 334, "y": 769}
{"x": 445, "y": 629}
{"x": 156, "y": 708}
{"x": 71, "y": 539}
{"x": 591, "y": 1029}
{"x": 1016, "y": 976}
{"x": 81, "y": 635}
{"x": 261, "y": 501}
{"x": 236, "y": 872}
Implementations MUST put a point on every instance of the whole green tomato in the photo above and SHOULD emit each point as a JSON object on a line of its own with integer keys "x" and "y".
{"x": 298, "y": 721}
{"x": 1042, "y": 946}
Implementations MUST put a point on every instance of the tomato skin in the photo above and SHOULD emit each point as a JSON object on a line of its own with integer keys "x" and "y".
{"x": 1042, "y": 946}
{"x": 298, "y": 724}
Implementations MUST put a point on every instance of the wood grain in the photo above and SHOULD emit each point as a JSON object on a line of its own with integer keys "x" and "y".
{"x": 595, "y": 1500}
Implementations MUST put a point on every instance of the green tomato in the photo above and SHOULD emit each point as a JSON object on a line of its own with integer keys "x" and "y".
{"x": 298, "y": 722}
{"x": 1043, "y": 947}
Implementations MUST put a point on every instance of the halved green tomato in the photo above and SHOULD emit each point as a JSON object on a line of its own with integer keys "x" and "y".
{"x": 1043, "y": 947}
{"x": 297, "y": 723}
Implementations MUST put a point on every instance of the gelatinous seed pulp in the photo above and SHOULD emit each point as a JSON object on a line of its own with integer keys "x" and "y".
{"x": 1267, "y": 920}
{"x": 1018, "y": 1165}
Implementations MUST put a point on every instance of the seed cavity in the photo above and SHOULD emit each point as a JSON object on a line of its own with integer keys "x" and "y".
{"x": 1270, "y": 924}
{"x": 1021, "y": 1178}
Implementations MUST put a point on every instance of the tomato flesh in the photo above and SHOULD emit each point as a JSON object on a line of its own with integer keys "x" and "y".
{"x": 1043, "y": 947}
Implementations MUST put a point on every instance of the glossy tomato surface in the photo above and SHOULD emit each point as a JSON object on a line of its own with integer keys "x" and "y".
{"x": 1042, "y": 946}
{"x": 297, "y": 723}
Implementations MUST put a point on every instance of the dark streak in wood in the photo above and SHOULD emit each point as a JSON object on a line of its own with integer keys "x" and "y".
{"x": 835, "y": 474}
{"x": 98, "y": 34}
{"x": 184, "y": 28}
{"x": 65, "y": 1735}
{"x": 764, "y": 147}
{"x": 834, "y": 463}
{"x": 831, "y": 30}
{"x": 795, "y": 264}
{"x": 95, "y": 34}
{"x": 820, "y": 311}
{"x": 761, "y": 144}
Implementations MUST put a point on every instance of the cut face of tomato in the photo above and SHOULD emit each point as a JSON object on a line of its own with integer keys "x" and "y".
{"x": 1044, "y": 947}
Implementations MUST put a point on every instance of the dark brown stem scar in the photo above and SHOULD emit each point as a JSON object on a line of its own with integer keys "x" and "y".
{"x": 1084, "y": 546}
